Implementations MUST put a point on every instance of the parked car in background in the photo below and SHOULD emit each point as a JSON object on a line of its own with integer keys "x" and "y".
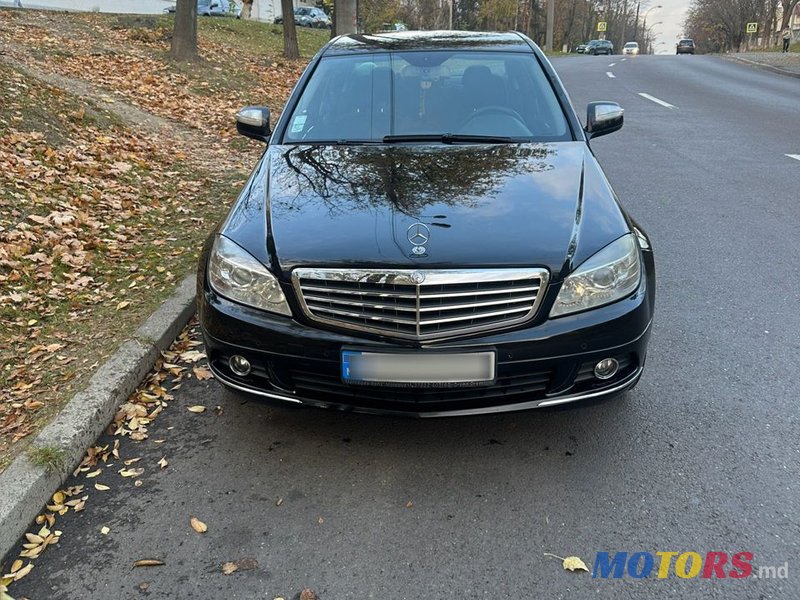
{"x": 596, "y": 47}
{"x": 428, "y": 233}
{"x": 630, "y": 48}
{"x": 209, "y": 8}
{"x": 308, "y": 16}
{"x": 685, "y": 47}
{"x": 581, "y": 48}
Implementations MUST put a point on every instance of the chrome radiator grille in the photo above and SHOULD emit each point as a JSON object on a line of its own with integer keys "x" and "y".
{"x": 420, "y": 304}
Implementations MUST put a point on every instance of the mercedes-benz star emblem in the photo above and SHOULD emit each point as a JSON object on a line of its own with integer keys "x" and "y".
{"x": 417, "y": 277}
{"x": 418, "y": 234}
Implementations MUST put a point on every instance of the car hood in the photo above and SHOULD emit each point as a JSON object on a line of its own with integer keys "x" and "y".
{"x": 439, "y": 206}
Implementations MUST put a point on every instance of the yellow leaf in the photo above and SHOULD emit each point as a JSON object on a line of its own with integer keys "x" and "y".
{"x": 197, "y": 408}
{"x": 23, "y": 571}
{"x": 101, "y": 488}
{"x": 16, "y": 565}
{"x": 198, "y": 525}
{"x": 104, "y": 530}
{"x": 163, "y": 463}
{"x": 123, "y": 304}
{"x": 573, "y": 563}
{"x": 148, "y": 562}
{"x": 32, "y": 322}
{"x": 94, "y": 473}
{"x": 132, "y": 461}
{"x": 33, "y": 538}
{"x": 59, "y": 497}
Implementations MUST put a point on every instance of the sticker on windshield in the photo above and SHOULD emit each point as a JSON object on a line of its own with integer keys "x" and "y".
{"x": 298, "y": 123}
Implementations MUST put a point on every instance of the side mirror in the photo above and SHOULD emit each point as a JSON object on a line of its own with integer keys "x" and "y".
{"x": 603, "y": 118}
{"x": 253, "y": 122}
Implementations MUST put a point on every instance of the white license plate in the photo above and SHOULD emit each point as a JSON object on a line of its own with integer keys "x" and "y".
{"x": 418, "y": 369}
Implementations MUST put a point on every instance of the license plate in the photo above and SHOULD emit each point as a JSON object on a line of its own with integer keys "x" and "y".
{"x": 418, "y": 369}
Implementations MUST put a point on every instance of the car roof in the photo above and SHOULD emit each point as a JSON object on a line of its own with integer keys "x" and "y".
{"x": 428, "y": 40}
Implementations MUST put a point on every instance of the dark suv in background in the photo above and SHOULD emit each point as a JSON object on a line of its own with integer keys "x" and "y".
{"x": 685, "y": 47}
{"x": 596, "y": 47}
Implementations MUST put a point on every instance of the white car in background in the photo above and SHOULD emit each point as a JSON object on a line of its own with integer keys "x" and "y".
{"x": 630, "y": 48}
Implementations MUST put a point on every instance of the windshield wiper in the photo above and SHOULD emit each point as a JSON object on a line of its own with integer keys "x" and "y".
{"x": 451, "y": 138}
{"x": 340, "y": 142}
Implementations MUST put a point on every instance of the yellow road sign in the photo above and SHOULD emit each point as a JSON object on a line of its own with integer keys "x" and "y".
{"x": 752, "y": 28}
{"x": 601, "y": 26}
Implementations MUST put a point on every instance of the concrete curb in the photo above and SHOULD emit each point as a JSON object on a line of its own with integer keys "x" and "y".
{"x": 759, "y": 65}
{"x": 26, "y": 487}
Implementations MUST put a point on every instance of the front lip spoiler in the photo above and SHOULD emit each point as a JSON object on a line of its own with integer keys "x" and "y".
{"x": 618, "y": 388}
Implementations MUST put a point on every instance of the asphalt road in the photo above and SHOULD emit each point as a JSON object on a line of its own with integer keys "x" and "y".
{"x": 702, "y": 456}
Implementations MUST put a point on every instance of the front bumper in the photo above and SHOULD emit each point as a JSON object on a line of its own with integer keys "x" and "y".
{"x": 542, "y": 364}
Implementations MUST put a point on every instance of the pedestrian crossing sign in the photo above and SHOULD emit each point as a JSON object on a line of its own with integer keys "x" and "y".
{"x": 601, "y": 26}
{"x": 752, "y": 28}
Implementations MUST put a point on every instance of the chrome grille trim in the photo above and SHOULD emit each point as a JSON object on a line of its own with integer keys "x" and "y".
{"x": 448, "y": 303}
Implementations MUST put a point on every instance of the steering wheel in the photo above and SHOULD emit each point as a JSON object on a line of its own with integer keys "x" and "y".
{"x": 495, "y": 109}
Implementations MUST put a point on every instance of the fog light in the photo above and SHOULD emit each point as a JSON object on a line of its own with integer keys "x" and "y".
{"x": 241, "y": 366}
{"x": 606, "y": 368}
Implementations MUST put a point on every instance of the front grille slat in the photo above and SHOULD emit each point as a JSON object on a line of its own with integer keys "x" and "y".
{"x": 420, "y": 304}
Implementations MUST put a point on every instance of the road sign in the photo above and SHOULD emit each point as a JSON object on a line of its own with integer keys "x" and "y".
{"x": 752, "y": 28}
{"x": 601, "y": 26}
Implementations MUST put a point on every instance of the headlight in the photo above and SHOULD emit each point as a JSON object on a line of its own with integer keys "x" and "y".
{"x": 606, "y": 277}
{"x": 235, "y": 274}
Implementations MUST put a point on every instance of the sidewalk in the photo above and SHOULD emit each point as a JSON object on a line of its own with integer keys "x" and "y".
{"x": 785, "y": 63}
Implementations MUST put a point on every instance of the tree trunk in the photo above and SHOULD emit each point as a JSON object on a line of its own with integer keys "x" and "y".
{"x": 184, "y": 35}
{"x": 290, "y": 49}
{"x": 345, "y": 11}
{"x": 788, "y": 9}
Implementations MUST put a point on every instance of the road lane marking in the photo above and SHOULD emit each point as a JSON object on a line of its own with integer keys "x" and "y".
{"x": 624, "y": 59}
{"x": 610, "y": 74}
{"x": 794, "y": 156}
{"x": 656, "y": 100}
{"x": 612, "y": 64}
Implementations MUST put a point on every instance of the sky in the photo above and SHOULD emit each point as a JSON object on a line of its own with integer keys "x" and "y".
{"x": 672, "y": 14}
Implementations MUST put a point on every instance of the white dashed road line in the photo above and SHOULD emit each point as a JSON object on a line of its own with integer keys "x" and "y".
{"x": 610, "y": 74}
{"x": 624, "y": 59}
{"x": 612, "y": 64}
{"x": 656, "y": 100}
{"x": 794, "y": 156}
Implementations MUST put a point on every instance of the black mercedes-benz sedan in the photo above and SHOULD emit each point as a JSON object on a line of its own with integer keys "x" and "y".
{"x": 428, "y": 233}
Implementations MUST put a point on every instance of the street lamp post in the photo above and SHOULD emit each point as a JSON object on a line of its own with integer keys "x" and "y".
{"x": 644, "y": 24}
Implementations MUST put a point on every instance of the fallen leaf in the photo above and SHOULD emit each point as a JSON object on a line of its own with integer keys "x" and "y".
{"x": 101, "y": 488}
{"x": 132, "y": 461}
{"x": 123, "y": 304}
{"x": 198, "y": 525}
{"x": 570, "y": 563}
{"x": 197, "y": 408}
{"x": 202, "y": 373}
{"x": 23, "y": 571}
{"x": 104, "y": 530}
{"x": 573, "y": 563}
{"x": 59, "y": 497}
{"x": 94, "y": 473}
{"x": 138, "y": 483}
{"x": 279, "y": 501}
{"x": 148, "y": 562}
{"x": 16, "y": 565}
{"x": 308, "y": 594}
{"x": 163, "y": 463}
{"x": 409, "y": 504}
{"x": 131, "y": 472}
{"x": 229, "y": 567}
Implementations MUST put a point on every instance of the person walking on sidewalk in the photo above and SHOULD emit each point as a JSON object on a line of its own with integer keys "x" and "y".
{"x": 787, "y": 37}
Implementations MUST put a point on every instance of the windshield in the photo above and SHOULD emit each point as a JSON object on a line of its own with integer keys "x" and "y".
{"x": 367, "y": 97}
